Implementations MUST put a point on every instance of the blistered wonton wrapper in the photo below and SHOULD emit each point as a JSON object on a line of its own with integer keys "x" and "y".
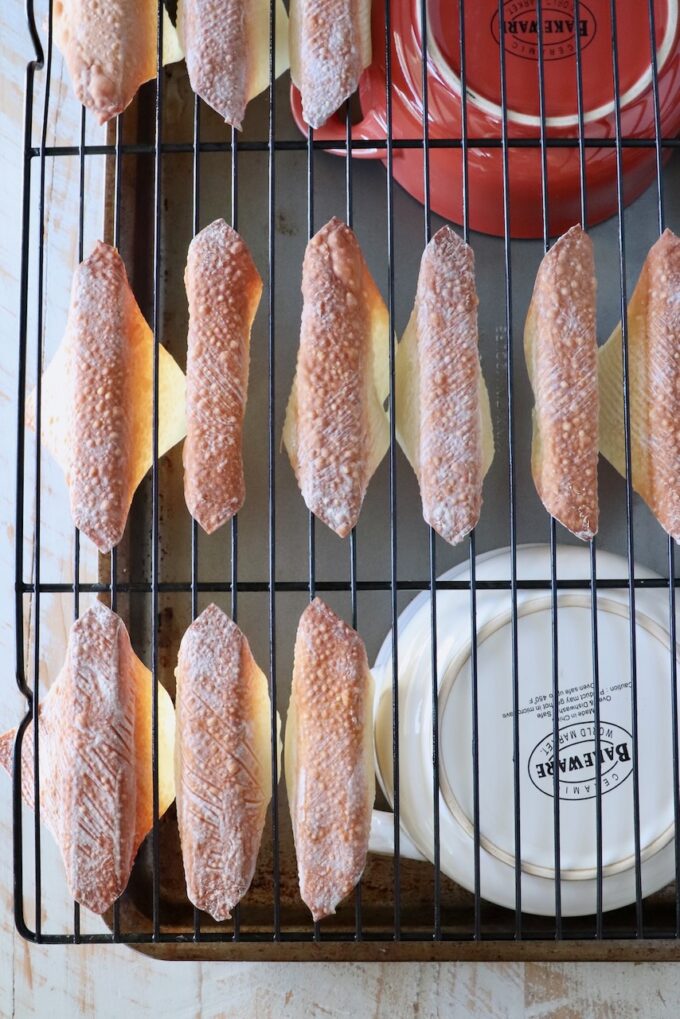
{"x": 560, "y": 345}
{"x": 111, "y": 48}
{"x": 330, "y": 774}
{"x": 336, "y": 431}
{"x": 654, "y": 386}
{"x": 103, "y": 372}
{"x": 95, "y": 736}
{"x": 330, "y": 47}
{"x": 226, "y": 44}
{"x": 223, "y": 761}
{"x": 443, "y": 415}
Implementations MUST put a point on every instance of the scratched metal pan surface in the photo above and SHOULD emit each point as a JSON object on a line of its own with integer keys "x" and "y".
{"x": 215, "y": 563}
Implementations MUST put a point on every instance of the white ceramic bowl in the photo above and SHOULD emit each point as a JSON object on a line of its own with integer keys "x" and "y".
{"x": 578, "y": 744}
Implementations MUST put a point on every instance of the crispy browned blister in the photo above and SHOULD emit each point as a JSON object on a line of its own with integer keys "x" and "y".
{"x": 654, "y": 386}
{"x": 226, "y": 43}
{"x": 330, "y": 46}
{"x": 329, "y": 757}
{"x": 560, "y": 343}
{"x": 443, "y": 416}
{"x": 95, "y": 758}
{"x": 97, "y": 398}
{"x": 224, "y": 289}
{"x": 336, "y": 431}
{"x": 110, "y": 49}
{"x": 223, "y": 764}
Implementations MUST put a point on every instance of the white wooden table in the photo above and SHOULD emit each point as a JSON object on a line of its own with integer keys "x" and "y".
{"x": 112, "y": 981}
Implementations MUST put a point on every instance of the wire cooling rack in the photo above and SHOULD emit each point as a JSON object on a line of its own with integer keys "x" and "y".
{"x": 433, "y": 936}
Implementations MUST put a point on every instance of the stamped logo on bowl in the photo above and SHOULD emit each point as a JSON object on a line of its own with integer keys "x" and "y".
{"x": 560, "y": 29}
{"x": 577, "y": 756}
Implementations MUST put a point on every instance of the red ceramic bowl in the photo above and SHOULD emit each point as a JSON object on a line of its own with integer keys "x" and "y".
{"x": 482, "y": 49}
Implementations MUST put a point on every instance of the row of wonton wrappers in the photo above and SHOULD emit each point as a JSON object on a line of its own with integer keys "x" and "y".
{"x": 217, "y": 750}
{"x": 97, "y": 396}
{"x": 109, "y": 55}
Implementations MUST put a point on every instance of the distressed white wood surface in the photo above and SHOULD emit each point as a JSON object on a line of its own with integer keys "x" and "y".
{"x": 97, "y": 981}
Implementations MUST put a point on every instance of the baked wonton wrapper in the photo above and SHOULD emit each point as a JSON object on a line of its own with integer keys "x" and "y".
{"x": 110, "y": 49}
{"x": 329, "y": 757}
{"x": 443, "y": 416}
{"x": 223, "y": 761}
{"x": 330, "y": 46}
{"x": 224, "y": 290}
{"x": 654, "y": 386}
{"x": 336, "y": 431}
{"x": 560, "y": 343}
{"x": 226, "y": 43}
{"x": 97, "y": 398}
{"x": 95, "y": 751}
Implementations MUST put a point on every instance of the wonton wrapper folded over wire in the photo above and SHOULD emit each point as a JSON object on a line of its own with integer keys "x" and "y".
{"x": 224, "y": 289}
{"x": 654, "y": 386}
{"x": 110, "y": 49}
{"x": 560, "y": 344}
{"x": 328, "y": 749}
{"x": 96, "y": 758}
{"x": 223, "y": 761}
{"x": 226, "y": 43}
{"x": 330, "y": 47}
{"x": 97, "y": 398}
{"x": 443, "y": 416}
{"x": 336, "y": 431}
